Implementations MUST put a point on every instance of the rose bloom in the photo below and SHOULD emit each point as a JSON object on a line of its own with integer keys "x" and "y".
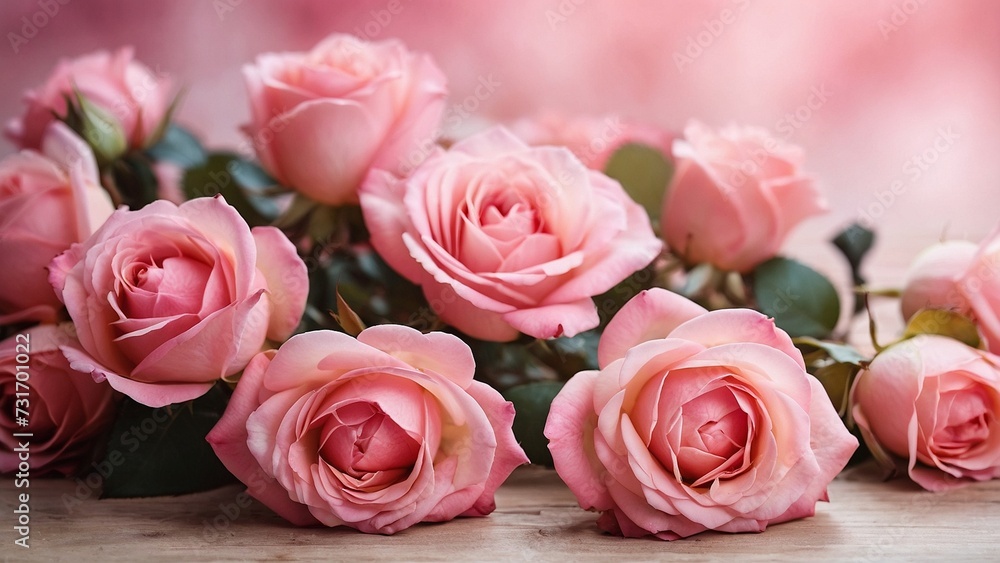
{"x": 168, "y": 299}
{"x": 932, "y": 282}
{"x": 696, "y": 421}
{"x": 506, "y": 238}
{"x": 734, "y": 197}
{"x": 67, "y": 411}
{"x": 961, "y": 277}
{"x": 322, "y": 119}
{"x": 592, "y": 139}
{"x": 125, "y": 89}
{"x": 48, "y": 201}
{"x": 933, "y": 402}
{"x": 376, "y": 433}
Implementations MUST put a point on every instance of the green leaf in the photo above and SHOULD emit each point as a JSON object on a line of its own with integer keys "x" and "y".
{"x": 153, "y": 452}
{"x": 134, "y": 180}
{"x": 531, "y": 405}
{"x": 179, "y": 146}
{"x": 944, "y": 323}
{"x": 226, "y": 174}
{"x": 801, "y": 300}
{"x": 837, "y": 379}
{"x": 836, "y": 351}
{"x": 644, "y": 172}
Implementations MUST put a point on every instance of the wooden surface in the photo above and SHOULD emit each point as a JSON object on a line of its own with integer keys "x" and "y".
{"x": 536, "y": 519}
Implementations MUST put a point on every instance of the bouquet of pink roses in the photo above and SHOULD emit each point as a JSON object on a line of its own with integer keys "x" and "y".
{"x": 345, "y": 313}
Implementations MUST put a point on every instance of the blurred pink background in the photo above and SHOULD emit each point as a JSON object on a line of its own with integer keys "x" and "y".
{"x": 901, "y": 91}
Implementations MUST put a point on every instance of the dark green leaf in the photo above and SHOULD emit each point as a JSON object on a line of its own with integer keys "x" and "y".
{"x": 134, "y": 180}
{"x": 944, "y": 323}
{"x": 180, "y": 147}
{"x": 163, "y": 451}
{"x": 836, "y": 351}
{"x": 644, "y": 172}
{"x": 837, "y": 379}
{"x": 221, "y": 173}
{"x": 531, "y": 403}
{"x": 802, "y": 301}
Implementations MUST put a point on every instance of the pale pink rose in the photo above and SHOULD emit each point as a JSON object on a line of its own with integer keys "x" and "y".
{"x": 376, "y": 433}
{"x": 168, "y": 299}
{"x": 322, "y": 119}
{"x": 935, "y": 403}
{"x": 125, "y": 89}
{"x": 48, "y": 201}
{"x": 734, "y": 197}
{"x": 979, "y": 285}
{"x": 506, "y": 238}
{"x": 932, "y": 281}
{"x": 697, "y": 421}
{"x": 67, "y": 412}
{"x": 592, "y": 139}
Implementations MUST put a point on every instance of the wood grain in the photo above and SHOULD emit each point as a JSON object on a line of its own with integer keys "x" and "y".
{"x": 537, "y": 518}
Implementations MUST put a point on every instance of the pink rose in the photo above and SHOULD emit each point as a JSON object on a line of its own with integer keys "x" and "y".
{"x": 962, "y": 277}
{"x": 935, "y": 403}
{"x": 125, "y": 89}
{"x": 168, "y": 299}
{"x": 66, "y": 413}
{"x": 506, "y": 238}
{"x": 592, "y": 139}
{"x": 979, "y": 284}
{"x": 734, "y": 197}
{"x": 322, "y": 119}
{"x": 377, "y": 433}
{"x": 47, "y": 202}
{"x": 932, "y": 281}
{"x": 697, "y": 421}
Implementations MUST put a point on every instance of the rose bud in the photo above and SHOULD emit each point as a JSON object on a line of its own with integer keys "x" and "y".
{"x": 734, "y": 197}
{"x": 322, "y": 119}
{"x": 933, "y": 402}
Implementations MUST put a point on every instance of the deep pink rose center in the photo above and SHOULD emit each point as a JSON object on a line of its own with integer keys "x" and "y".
{"x": 964, "y": 420}
{"x": 360, "y": 440}
{"x": 166, "y": 288}
{"x": 714, "y": 432}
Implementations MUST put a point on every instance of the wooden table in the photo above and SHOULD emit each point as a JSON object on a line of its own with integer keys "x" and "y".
{"x": 536, "y": 518}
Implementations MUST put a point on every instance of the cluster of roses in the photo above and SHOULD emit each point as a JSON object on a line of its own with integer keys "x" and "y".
{"x": 694, "y": 420}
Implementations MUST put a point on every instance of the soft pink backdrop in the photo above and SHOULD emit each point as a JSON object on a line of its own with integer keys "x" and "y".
{"x": 888, "y": 91}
